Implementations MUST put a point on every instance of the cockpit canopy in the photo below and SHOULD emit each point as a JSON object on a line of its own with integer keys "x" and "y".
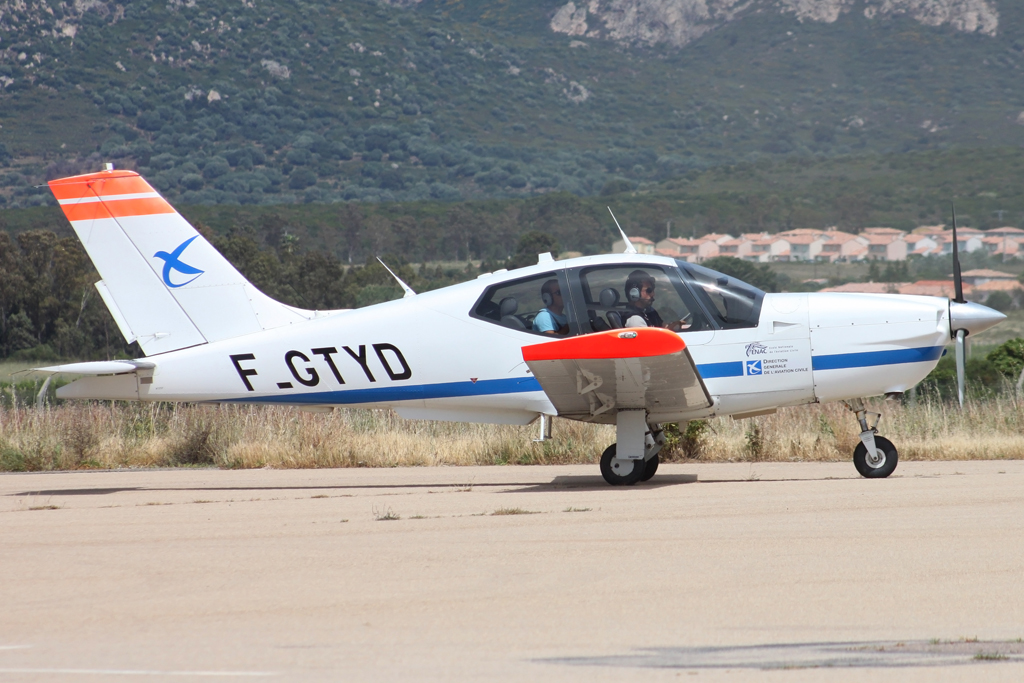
{"x": 592, "y": 298}
{"x": 733, "y": 303}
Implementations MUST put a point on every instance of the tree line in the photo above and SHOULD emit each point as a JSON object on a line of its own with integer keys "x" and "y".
{"x": 50, "y": 309}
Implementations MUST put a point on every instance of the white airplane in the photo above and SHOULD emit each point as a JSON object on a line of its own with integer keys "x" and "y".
{"x": 584, "y": 339}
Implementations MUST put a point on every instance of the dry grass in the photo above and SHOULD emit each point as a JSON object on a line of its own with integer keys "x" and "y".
{"x": 931, "y": 430}
{"x": 104, "y": 435}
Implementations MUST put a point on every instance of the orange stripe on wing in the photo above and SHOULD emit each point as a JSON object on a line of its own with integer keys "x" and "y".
{"x": 105, "y": 183}
{"x": 116, "y": 209}
{"x": 636, "y": 342}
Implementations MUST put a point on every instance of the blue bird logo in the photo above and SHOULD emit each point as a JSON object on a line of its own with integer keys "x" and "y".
{"x": 172, "y": 262}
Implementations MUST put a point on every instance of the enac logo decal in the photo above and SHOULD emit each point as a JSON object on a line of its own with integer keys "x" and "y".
{"x": 172, "y": 262}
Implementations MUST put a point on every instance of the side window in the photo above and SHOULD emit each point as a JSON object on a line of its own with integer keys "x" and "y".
{"x": 530, "y": 305}
{"x": 657, "y": 299}
{"x": 734, "y": 303}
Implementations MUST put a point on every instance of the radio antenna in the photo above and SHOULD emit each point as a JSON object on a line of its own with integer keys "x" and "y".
{"x": 630, "y": 249}
{"x": 408, "y": 290}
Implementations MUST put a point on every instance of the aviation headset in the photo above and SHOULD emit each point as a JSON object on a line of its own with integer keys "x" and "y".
{"x": 545, "y": 293}
{"x": 636, "y": 280}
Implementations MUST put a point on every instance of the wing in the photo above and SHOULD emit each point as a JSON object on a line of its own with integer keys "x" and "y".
{"x": 591, "y": 377}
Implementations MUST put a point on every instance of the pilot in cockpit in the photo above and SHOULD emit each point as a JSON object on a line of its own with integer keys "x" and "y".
{"x": 640, "y": 305}
{"x": 551, "y": 319}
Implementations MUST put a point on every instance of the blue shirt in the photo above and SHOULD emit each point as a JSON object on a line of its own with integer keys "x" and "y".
{"x": 548, "y": 321}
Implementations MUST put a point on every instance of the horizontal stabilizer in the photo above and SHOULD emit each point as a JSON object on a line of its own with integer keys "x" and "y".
{"x": 102, "y": 367}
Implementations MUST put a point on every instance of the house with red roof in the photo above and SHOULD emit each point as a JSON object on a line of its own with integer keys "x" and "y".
{"x": 690, "y": 250}
{"x": 980, "y": 276}
{"x": 642, "y": 245}
{"x": 886, "y": 246}
{"x": 842, "y": 246}
{"x": 769, "y": 250}
{"x": 740, "y": 247}
{"x": 805, "y": 247}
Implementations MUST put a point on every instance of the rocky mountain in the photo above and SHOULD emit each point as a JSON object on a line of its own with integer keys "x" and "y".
{"x": 678, "y": 22}
{"x": 261, "y": 101}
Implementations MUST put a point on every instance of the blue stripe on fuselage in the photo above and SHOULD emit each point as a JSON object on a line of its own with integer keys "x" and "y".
{"x": 483, "y": 387}
{"x": 841, "y": 361}
{"x": 837, "y": 361}
{"x": 490, "y": 387}
{"x": 716, "y": 370}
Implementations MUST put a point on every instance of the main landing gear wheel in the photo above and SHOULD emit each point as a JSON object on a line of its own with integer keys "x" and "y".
{"x": 882, "y": 464}
{"x": 621, "y": 472}
{"x": 650, "y": 467}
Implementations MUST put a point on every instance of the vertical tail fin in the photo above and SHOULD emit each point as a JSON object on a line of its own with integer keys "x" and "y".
{"x": 165, "y": 285}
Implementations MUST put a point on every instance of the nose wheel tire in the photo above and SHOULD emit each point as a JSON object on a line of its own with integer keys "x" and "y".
{"x": 621, "y": 472}
{"x": 882, "y": 464}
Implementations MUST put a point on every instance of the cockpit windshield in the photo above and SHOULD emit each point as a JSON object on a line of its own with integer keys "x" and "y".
{"x": 733, "y": 303}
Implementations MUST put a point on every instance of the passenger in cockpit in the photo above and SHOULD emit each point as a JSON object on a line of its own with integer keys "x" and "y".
{"x": 640, "y": 304}
{"x": 550, "y": 319}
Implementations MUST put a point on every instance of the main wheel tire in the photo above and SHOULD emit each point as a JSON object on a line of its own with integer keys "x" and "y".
{"x": 882, "y": 465}
{"x": 650, "y": 467}
{"x": 614, "y": 470}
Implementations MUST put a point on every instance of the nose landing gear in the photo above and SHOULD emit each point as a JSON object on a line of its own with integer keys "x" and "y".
{"x": 875, "y": 457}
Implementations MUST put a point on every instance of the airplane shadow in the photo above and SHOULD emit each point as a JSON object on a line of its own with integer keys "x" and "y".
{"x": 863, "y": 654}
{"x": 597, "y": 482}
{"x": 594, "y": 482}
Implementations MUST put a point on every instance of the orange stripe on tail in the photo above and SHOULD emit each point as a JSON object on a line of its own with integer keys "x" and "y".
{"x": 91, "y": 211}
{"x": 102, "y": 184}
{"x": 107, "y": 186}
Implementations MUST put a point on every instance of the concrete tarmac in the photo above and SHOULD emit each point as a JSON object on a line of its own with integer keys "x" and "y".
{"x": 795, "y": 572}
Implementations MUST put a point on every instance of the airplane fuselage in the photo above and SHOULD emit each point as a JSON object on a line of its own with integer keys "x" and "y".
{"x": 428, "y": 357}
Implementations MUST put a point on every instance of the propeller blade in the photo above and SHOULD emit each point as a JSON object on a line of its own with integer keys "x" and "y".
{"x": 961, "y": 372}
{"x": 958, "y": 283}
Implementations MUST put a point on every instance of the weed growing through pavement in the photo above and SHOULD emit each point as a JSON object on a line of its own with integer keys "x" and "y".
{"x": 385, "y": 514}
{"x": 572, "y": 509}
{"x": 513, "y": 511}
{"x": 990, "y": 656}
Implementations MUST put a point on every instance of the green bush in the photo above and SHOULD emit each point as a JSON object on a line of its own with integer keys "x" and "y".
{"x": 1001, "y": 301}
{"x": 1008, "y": 358}
{"x": 192, "y": 181}
{"x": 301, "y": 178}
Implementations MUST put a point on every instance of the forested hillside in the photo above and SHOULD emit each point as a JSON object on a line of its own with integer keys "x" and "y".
{"x": 896, "y": 190}
{"x": 226, "y": 102}
{"x": 306, "y": 138}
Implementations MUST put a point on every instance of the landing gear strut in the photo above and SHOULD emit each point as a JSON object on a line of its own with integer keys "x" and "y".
{"x": 643, "y": 463}
{"x": 875, "y": 457}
